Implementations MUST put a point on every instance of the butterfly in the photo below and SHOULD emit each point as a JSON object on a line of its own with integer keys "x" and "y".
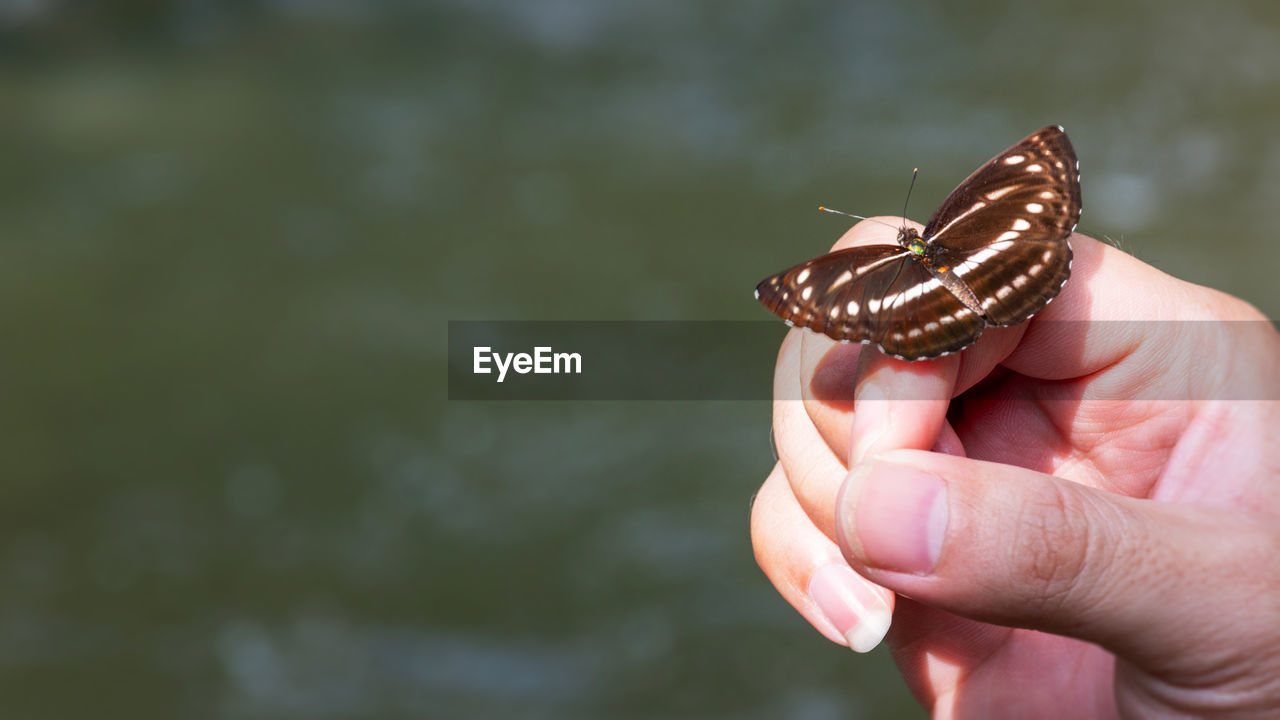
{"x": 994, "y": 253}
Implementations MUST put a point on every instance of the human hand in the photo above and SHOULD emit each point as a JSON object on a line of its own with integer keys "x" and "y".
{"x": 1115, "y": 484}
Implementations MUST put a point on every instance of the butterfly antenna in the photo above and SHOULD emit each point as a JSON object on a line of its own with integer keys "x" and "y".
{"x": 855, "y": 217}
{"x": 910, "y": 187}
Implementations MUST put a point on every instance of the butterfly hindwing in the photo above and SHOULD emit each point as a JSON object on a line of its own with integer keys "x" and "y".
{"x": 1016, "y": 280}
{"x": 920, "y": 318}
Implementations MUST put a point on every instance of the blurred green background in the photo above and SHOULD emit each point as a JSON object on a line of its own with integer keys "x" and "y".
{"x": 232, "y": 233}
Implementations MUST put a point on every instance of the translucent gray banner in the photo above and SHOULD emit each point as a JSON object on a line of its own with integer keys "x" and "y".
{"x": 725, "y": 360}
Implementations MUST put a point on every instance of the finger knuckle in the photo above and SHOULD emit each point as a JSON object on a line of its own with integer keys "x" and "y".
{"x": 1055, "y": 546}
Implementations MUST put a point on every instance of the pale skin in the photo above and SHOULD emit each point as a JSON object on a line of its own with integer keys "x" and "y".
{"x": 1114, "y": 486}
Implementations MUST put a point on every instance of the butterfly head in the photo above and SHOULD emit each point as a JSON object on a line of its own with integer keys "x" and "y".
{"x": 909, "y": 239}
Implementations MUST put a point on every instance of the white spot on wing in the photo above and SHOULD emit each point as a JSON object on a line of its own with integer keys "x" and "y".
{"x": 1036, "y": 167}
{"x": 844, "y": 278}
{"x": 1048, "y": 255}
{"x": 804, "y": 275}
{"x": 1004, "y": 292}
{"x": 1035, "y": 208}
{"x": 835, "y": 311}
{"x": 972, "y": 209}
{"x": 807, "y": 292}
{"x": 1008, "y": 235}
{"x": 1001, "y": 192}
{"x": 1021, "y": 224}
{"x": 873, "y": 305}
{"x": 1014, "y": 159}
{"x": 922, "y": 289}
{"x": 852, "y": 307}
{"x": 984, "y": 255}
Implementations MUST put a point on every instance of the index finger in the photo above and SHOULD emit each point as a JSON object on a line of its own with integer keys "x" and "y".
{"x": 855, "y": 394}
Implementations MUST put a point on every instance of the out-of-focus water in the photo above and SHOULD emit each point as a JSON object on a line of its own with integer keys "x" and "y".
{"x": 231, "y": 236}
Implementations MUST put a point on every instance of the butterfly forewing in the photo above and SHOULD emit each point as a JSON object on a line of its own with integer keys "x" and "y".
{"x": 998, "y": 253}
{"x": 827, "y": 294}
{"x": 1031, "y": 191}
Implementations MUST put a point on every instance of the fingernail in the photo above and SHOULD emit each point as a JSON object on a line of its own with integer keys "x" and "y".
{"x": 896, "y": 514}
{"x": 851, "y": 604}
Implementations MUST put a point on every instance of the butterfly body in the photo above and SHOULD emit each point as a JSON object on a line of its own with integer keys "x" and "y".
{"x": 994, "y": 253}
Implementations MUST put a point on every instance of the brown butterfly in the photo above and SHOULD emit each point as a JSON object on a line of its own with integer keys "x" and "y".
{"x": 994, "y": 253}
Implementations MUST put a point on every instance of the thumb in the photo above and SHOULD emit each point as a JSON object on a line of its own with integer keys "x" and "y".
{"x": 1153, "y": 582}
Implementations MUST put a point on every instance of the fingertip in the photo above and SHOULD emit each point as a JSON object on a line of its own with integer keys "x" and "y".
{"x": 876, "y": 230}
{"x": 858, "y": 610}
{"x": 899, "y": 404}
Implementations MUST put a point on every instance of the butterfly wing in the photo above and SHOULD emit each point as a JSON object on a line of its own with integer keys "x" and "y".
{"x": 1004, "y": 229}
{"x": 920, "y": 318}
{"x": 874, "y": 294}
{"x": 999, "y": 241}
{"x": 827, "y": 293}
